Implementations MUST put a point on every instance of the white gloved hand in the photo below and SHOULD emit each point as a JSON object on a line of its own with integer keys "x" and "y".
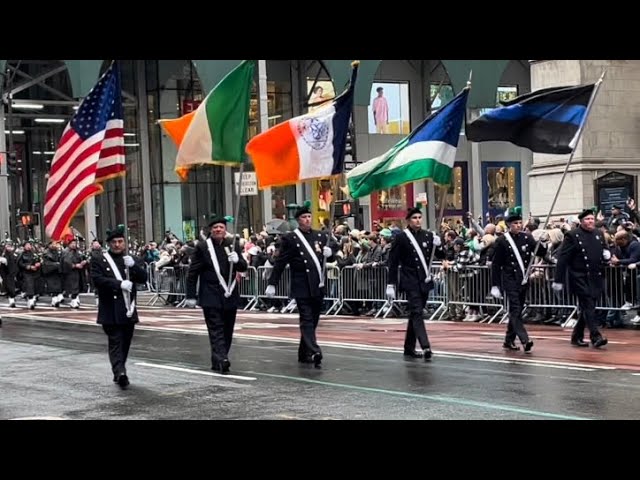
{"x": 271, "y": 291}
{"x": 128, "y": 261}
{"x": 632, "y": 266}
{"x": 495, "y": 292}
{"x": 126, "y": 285}
{"x": 436, "y": 239}
{"x": 233, "y": 257}
{"x": 326, "y": 252}
{"x": 557, "y": 287}
{"x": 606, "y": 254}
{"x": 191, "y": 303}
{"x": 391, "y": 292}
{"x": 3, "y": 260}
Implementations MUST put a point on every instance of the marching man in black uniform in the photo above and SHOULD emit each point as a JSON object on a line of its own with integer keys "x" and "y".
{"x": 215, "y": 262}
{"x": 9, "y": 270}
{"x": 30, "y": 263}
{"x": 582, "y": 255}
{"x": 412, "y": 250}
{"x": 114, "y": 274}
{"x": 513, "y": 252}
{"x": 305, "y": 251}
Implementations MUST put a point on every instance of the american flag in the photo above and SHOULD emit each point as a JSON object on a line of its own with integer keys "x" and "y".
{"x": 90, "y": 150}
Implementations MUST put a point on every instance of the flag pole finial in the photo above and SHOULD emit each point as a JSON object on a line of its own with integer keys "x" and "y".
{"x": 469, "y": 81}
{"x": 604, "y": 72}
{"x": 355, "y": 63}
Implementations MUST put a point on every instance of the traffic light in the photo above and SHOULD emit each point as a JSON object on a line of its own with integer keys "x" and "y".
{"x": 12, "y": 163}
{"x": 29, "y": 218}
{"x": 350, "y": 145}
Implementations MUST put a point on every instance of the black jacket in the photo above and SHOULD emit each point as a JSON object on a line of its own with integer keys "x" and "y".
{"x": 305, "y": 280}
{"x": 581, "y": 256}
{"x": 211, "y": 293}
{"x": 111, "y": 306}
{"x": 403, "y": 254}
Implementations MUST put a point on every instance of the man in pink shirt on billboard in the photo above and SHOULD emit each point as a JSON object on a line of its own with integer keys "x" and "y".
{"x": 380, "y": 109}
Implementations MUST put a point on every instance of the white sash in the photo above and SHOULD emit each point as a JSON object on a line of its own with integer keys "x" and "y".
{"x": 517, "y": 254}
{"x": 216, "y": 267}
{"x": 313, "y": 255}
{"x": 130, "y": 306}
{"x": 413, "y": 240}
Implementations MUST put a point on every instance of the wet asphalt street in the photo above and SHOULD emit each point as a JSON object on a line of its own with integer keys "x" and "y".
{"x": 58, "y": 370}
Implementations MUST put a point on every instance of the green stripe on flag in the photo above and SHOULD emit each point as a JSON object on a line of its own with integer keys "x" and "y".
{"x": 380, "y": 179}
{"x": 227, "y": 108}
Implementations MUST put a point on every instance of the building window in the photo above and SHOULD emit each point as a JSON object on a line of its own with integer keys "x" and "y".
{"x": 389, "y": 109}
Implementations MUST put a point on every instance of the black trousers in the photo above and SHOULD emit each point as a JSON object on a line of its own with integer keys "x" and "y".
{"x": 416, "y": 300}
{"x": 119, "y": 342}
{"x": 309, "y": 309}
{"x": 588, "y": 317}
{"x": 220, "y": 325}
{"x": 516, "y": 297}
{"x": 10, "y": 285}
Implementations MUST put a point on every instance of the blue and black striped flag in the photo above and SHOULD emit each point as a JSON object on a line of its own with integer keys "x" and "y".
{"x": 544, "y": 121}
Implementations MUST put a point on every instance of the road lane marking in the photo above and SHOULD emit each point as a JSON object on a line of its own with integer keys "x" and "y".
{"x": 197, "y": 372}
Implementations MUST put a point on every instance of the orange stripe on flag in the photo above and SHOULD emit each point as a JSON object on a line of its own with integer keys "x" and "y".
{"x": 275, "y": 156}
{"x": 177, "y": 127}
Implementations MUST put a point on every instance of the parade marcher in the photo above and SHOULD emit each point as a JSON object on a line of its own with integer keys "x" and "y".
{"x": 52, "y": 272}
{"x": 29, "y": 264}
{"x": 305, "y": 250}
{"x": 72, "y": 270}
{"x": 9, "y": 270}
{"x": 582, "y": 256}
{"x": 411, "y": 250}
{"x": 114, "y": 274}
{"x": 512, "y": 255}
{"x": 215, "y": 262}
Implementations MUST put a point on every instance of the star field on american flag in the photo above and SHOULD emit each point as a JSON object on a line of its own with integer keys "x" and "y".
{"x": 91, "y": 150}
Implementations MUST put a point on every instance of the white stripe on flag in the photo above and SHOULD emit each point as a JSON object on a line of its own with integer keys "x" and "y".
{"x": 314, "y": 138}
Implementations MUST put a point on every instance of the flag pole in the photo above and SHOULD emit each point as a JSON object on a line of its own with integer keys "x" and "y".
{"x": 574, "y": 144}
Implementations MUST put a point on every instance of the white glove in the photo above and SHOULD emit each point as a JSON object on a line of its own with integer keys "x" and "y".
{"x": 128, "y": 261}
{"x": 436, "y": 240}
{"x": 557, "y": 287}
{"x": 271, "y": 291}
{"x": 233, "y": 257}
{"x": 191, "y": 303}
{"x": 606, "y": 254}
{"x": 126, "y": 285}
{"x": 391, "y": 292}
{"x": 495, "y": 292}
{"x": 326, "y": 252}
{"x": 632, "y": 266}
{"x": 3, "y": 260}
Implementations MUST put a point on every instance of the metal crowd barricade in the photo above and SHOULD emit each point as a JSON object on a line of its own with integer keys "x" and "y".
{"x": 169, "y": 282}
{"x": 365, "y": 285}
{"x": 282, "y": 289}
{"x": 470, "y": 286}
{"x": 437, "y": 296}
{"x": 247, "y": 285}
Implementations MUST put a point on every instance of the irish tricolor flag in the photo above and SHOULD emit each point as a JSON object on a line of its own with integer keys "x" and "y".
{"x": 305, "y": 147}
{"x": 428, "y": 152}
{"x": 216, "y": 132}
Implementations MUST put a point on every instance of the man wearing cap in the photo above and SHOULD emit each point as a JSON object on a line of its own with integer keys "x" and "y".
{"x": 412, "y": 250}
{"x": 583, "y": 255}
{"x": 114, "y": 274}
{"x": 618, "y": 217}
{"x": 305, "y": 251}
{"x": 215, "y": 262}
{"x": 512, "y": 255}
{"x": 9, "y": 270}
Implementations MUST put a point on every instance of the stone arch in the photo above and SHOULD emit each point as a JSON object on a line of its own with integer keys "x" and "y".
{"x": 485, "y": 79}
